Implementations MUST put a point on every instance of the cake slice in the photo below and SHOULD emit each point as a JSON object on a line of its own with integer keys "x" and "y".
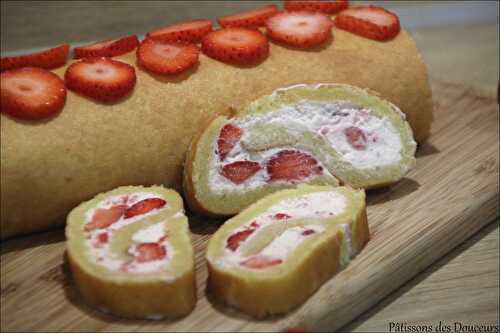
{"x": 130, "y": 253}
{"x": 322, "y": 134}
{"x": 276, "y": 253}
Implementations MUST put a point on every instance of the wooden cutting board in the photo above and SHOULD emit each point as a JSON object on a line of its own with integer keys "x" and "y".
{"x": 452, "y": 193}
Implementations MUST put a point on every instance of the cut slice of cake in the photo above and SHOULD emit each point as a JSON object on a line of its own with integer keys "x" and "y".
{"x": 130, "y": 253}
{"x": 322, "y": 134}
{"x": 276, "y": 253}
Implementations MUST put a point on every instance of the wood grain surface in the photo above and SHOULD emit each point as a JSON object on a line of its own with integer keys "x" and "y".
{"x": 461, "y": 287}
{"x": 451, "y": 194}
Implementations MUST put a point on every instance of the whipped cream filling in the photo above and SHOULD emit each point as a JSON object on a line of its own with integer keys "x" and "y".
{"x": 99, "y": 240}
{"x": 347, "y": 251}
{"x": 156, "y": 233}
{"x": 285, "y": 243}
{"x": 152, "y": 234}
{"x": 316, "y": 205}
{"x": 361, "y": 139}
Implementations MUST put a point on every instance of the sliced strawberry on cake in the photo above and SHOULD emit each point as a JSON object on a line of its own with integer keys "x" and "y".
{"x": 190, "y": 31}
{"x": 48, "y": 59}
{"x": 144, "y": 206}
{"x": 102, "y": 79}
{"x": 31, "y": 93}
{"x": 249, "y": 19}
{"x": 369, "y": 21}
{"x": 234, "y": 241}
{"x": 300, "y": 29}
{"x": 104, "y": 217}
{"x": 324, "y": 6}
{"x": 239, "y": 171}
{"x": 282, "y": 216}
{"x": 149, "y": 252}
{"x": 356, "y": 137}
{"x": 260, "y": 262}
{"x": 164, "y": 58}
{"x": 107, "y": 48}
{"x": 229, "y": 136}
{"x": 291, "y": 165}
{"x": 239, "y": 46}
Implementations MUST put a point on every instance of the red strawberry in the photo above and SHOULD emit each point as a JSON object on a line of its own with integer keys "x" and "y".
{"x": 355, "y": 137}
{"x": 190, "y": 31}
{"x": 290, "y": 165}
{"x": 324, "y": 6}
{"x": 239, "y": 171}
{"x": 236, "y": 45}
{"x": 260, "y": 261}
{"x": 254, "y": 225}
{"x": 47, "y": 59}
{"x": 144, "y": 206}
{"x": 228, "y": 137}
{"x": 369, "y": 21}
{"x": 102, "y": 237}
{"x": 150, "y": 252}
{"x": 282, "y": 216}
{"x": 104, "y": 217}
{"x": 249, "y": 19}
{"x": 300, "y": 29}
{"x": 308, "y": 232}
{"x": 31, "y": 93}
{"x": 102, "y": 79}
{"x": 165, "y": 57}
{"x": 107, "y": 48}
{"x": 234, "y": 241}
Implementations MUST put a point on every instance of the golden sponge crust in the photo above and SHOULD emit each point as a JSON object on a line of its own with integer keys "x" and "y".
{"x": 150, "y": 300}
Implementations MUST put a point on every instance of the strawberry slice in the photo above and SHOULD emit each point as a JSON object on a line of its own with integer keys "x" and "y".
{"x": 229, "y": 135}
{"x": 102, "y": 79}
{"x": 190, "y": 31}
{"x": 107, "y": 48}
{"x": 308, "y": 232}
{"x": 249, "y": 19}
{"x": 369, "y": 21}
{"x": 282, "y": 216}
{"x": 300, "y": 29}
{"x": 31, "y": 93}
{"x": 165, "y": 57}
{"x": 239, "y": 171}
{"x": 236, "y": 46}
{"x": 150, "y": 252}
{"x": 356, "y": 137}
{"x": 290, "y": 165}
{"x": 234, "y": 241}
{"x": 47, "y": 59}
{"x": 260, "y": 261}
{"x": 144, "y": 206}
{"x": 254, "y": 225}
{"x": 324, "y": 6}
{"x": 104, "y": 217}
{"x": 103, "y": 237}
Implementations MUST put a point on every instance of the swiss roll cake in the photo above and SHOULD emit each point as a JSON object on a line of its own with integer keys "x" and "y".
{"x": 82, "y": 150}
{"x": 130, "y": 253}
{"x": 276, "y": 253}
{"x": 327, "y": 134}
